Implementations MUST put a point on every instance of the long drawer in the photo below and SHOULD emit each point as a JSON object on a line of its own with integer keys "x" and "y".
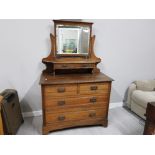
{"x": 93, "y": 88}
{"x": 77, "y": 101}
{"x": 77, "y": 115}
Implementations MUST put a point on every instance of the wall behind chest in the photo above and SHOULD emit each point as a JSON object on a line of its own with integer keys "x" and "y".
{"x": 23, "y": 44}
{"x": 126, "y": 48}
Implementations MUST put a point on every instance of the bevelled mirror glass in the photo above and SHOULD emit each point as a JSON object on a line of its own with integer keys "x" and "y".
{"x": 72, "y": 39}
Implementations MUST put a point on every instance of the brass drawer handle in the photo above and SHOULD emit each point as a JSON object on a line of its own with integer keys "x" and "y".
{"x": 93, "y": 99}
{"x": 93, "y": 88}
{"x": 92, "y": 114}
{"x": 61, "y": 118}
{"x": 61, "y": 90}
{"x": 61, "y": 103}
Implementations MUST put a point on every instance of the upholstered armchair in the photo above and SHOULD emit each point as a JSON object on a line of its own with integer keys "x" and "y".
{"x": 139, "y": 94}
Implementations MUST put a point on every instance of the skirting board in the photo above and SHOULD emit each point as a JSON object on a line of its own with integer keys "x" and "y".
{"x": 39, "y": 112}
{"x": 32, "y": 113}
{"x": 115, "y": 105}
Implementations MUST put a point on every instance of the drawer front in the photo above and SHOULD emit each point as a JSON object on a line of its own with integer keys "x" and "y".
{"x": 78, "y": 115}
{"x": 94, "y": 88}
{"x": 73, "y": 66}
{"x": 77, "y": 101}
{"x": 60, "y": 90}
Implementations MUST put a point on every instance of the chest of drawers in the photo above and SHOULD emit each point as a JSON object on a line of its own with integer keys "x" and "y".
{"x": 74, "y": 91}
{"x": 74, "y": 100}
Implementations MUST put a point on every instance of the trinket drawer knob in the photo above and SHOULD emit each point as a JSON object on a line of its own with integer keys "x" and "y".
{"x": 64, "y": 66}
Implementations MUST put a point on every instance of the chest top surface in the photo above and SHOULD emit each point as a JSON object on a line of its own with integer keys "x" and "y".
{"x": 73, "y": 78}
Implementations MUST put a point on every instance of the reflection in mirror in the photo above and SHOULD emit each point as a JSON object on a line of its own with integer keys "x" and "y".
{"x": 72, "y": 39}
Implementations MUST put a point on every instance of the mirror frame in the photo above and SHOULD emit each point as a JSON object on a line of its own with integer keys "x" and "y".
{"x": 72, "y": 23}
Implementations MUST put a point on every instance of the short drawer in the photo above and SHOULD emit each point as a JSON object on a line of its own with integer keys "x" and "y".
{"x": 73, "y": 66}
{"x": 73, "y": 116}
{"x": 77, "y": 101}
{"x": 60, "y": 90}
{"x": 94, "y": 88}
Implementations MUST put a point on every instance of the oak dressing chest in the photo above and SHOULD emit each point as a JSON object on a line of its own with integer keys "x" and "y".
{"x": 74, "y": 91}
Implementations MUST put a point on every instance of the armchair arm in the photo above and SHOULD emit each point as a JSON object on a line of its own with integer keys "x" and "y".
{"x": 145, "y": 85}
{"x": 131, "y": 88}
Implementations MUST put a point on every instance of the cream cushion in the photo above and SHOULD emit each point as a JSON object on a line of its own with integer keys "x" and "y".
{"x": 145, "y": 85}
{"x": 143, "y": 97}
